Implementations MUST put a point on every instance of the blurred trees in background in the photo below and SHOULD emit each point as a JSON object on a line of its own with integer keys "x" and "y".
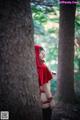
{"x": 46, "y": 29}
{"x": 66, "y": 53}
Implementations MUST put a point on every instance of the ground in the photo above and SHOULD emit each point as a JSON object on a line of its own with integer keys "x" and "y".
{"x": 66, "y": 112}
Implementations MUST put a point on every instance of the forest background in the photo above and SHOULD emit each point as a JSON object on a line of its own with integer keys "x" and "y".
{"x": 46, "y": 30}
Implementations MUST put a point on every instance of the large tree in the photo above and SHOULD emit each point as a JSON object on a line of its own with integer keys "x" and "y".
{"x": 66, "y": 53}
{"x": 19, "y": 92}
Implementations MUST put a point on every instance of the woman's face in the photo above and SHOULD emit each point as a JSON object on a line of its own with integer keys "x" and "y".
{"x": 42, "y": 54}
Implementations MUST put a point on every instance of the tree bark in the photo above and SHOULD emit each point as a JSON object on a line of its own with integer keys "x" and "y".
{"x": 19, "y": 90}
{"x": 66, "y": 53}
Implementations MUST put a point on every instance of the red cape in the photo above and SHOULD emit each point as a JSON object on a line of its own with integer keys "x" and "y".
{"x": 44, "y": 75}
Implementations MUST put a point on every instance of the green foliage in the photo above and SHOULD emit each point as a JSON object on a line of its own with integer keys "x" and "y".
{"x": 53, "y": 86}
{"x": 52, "y": 30}
{"x": 46, "y": 35}
{"x": 77, "y": 60}
{"x": 77, "y": 21}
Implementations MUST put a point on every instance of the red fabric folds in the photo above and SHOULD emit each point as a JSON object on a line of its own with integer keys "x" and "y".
{"x": 44, "y": 75}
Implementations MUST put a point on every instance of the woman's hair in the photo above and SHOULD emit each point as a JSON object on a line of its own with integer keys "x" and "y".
{"x": 41, "y": 48}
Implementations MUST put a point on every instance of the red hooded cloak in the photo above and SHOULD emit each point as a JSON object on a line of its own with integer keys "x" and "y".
{"x": 44, "y": 75}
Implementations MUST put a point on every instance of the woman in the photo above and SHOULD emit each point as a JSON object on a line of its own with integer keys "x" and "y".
{"x": 44, "y": 77}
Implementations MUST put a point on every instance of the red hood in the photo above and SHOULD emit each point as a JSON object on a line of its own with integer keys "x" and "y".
{"x": 37, "y": 51}
{"x": 44, "y": 75}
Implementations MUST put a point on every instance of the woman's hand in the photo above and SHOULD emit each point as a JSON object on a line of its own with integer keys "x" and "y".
{"x": 54, "y": 74}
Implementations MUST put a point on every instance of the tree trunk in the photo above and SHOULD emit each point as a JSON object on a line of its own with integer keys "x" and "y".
{"x": 66, "y": 53}
{"x": 19, "y": 90}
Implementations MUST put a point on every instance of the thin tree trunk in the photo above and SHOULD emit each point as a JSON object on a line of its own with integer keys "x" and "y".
{"x": 66, "y": 53}
{"x": 19, "y": 91}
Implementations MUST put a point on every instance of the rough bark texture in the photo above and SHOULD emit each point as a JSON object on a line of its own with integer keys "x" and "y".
{"x": 19, "y": 91}
{"x": 66, "y": 53}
